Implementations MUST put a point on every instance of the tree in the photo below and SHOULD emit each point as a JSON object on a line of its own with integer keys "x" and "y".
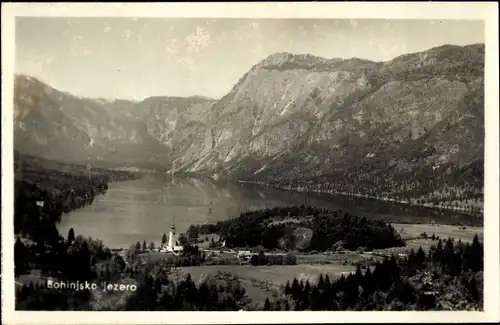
{"x": 476, "y": 255}
{"x": 262, "y": 259}
{"x": 71, "y": 236}
{"x": 138, "y": 246}
{"x": 288, "y": 289}
{"x": 296, "y": 289}
{"x": 290, "y": 259}
{"x": 151, "y": 245}
{"x": 287, "y": 305}
{"x": 164, "y": 239}
{"x": 192, "y": 232}
{"x": 254, "y": 260}
{"x": 131, "y": 252}
{"x": 117, "y": 264}
{"x": 19, "y": 256}
{"x": 473, "y": 289}
{"x": 182, "y": 240}
{"x": 144, "y": 246}
{"x": 420, "y": 257}
{"x": 267, "y": 304}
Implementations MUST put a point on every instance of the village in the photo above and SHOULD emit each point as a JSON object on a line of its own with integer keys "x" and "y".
{"x": 171, "y": 246}
{"x": 216, "y": 250}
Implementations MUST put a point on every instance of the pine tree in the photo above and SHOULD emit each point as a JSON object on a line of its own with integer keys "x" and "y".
{"x": 296, "y": 289}
{"x": 321, "y": 282}
{"x": 473, "y": 289}
{"x": 71, "y": 236}
{"x": 288, "y": 289}
{"x": 327, "y": 280}
{"x": 164, "y": 239}
{"x": 359, "y": 274}
{"x": 19, "y": 256}
{"x": 367, "y": 282}
{"x": 267, "y": 304}
{"x": 144, "y": 246}
{"x": 437, "y": 256}
{"x": 316, "y": 302}
{"x": 307, "y": 287}
{"x": 476, "y": 255}
{"x": 420, "y": 258}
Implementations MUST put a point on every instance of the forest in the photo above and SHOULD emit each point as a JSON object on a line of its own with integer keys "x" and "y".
{"x": 304, "y": 228}
{"x": 445, "y": 190}
{"x": 43, "y": 192}
{"x": 449, "y": 277}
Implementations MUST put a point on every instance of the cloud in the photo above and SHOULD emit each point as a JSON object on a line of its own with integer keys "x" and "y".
{"x": 139, "y": 39}
{"x": 87, "y": 52}
{"x": 198, "y": 40}
{"x": 187, "y": 62}
{"x": 128, "y": 34}
{"x": 172, "y": 47}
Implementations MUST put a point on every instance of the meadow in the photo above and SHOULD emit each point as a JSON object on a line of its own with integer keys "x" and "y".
{"x": 260, "y": 282}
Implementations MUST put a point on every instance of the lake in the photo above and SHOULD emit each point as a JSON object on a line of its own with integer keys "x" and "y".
{"x": 143, "y": 209}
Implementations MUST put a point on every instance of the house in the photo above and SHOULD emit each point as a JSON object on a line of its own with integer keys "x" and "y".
{"x": 244, "y": 255}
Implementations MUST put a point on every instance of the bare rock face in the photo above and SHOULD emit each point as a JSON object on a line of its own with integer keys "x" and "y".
{"x": 304, "y": 116}
{"x": 289, "y": 117}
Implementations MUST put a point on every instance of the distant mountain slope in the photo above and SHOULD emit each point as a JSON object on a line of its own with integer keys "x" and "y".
{"x": 290, "y": 119}
{"x": 57, "y": 125}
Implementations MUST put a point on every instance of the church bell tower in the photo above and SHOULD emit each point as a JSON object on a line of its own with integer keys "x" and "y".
{"x": 172, "y": 236}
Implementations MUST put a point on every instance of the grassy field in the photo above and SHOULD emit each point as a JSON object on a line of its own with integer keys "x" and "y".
{"x": 155, "y": 256}
{"x": 413, "y": 231}
{"x": 34, "y": 276}
{"x": 261, "y": 281}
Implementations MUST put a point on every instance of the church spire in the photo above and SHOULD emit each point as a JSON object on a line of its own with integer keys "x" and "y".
{"x": 173, "y": 224}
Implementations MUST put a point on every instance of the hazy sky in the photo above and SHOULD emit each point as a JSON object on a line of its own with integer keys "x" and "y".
{"x": 137, "y": 58}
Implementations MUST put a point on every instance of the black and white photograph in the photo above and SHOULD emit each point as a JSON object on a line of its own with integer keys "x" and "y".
{"x": 219, "y": 163}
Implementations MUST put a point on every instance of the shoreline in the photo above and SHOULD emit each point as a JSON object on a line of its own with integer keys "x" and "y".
{"x": 345, "y": 194}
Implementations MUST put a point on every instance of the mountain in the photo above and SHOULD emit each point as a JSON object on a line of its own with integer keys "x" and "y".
{"x": 56, "y": 125}
{"x": 291, "y": 119}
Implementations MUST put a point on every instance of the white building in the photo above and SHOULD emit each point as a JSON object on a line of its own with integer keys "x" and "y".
{"x": 172, "y": 243}
{"x": 245, "y": 255}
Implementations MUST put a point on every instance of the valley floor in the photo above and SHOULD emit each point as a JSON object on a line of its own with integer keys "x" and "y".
{"x": 262, "y": 281}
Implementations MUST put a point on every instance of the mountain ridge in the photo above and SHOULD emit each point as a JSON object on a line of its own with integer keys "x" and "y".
{"x": 290, "y": 118}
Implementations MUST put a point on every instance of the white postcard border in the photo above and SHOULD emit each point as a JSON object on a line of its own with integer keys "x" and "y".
{"x": 352, "y": 10}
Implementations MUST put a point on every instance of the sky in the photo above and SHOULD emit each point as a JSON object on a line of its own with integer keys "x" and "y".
{"x": 134, "y": 58}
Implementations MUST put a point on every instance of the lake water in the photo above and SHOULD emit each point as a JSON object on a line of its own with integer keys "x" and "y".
{"x": 144, "y": 209}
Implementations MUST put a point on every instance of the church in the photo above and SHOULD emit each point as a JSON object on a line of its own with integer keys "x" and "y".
{"x": 172, "y": 245}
